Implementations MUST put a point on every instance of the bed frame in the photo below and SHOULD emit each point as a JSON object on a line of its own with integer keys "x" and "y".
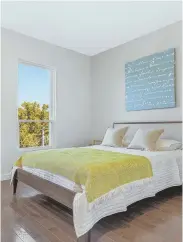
{"x": 54, "y": 191}
{"x": 65, "y": 196}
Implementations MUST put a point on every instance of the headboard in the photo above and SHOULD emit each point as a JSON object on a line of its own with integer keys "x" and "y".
{"x": 172, "y": 129}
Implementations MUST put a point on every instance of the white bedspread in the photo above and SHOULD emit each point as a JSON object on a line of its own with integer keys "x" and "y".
{"x": 167, "y": 172}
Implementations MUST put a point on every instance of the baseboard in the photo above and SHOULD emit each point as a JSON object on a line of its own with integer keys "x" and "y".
{"x": 5, "y": 176}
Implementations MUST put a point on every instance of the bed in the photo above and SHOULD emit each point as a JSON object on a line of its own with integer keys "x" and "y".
{"x": 167, "y": 172}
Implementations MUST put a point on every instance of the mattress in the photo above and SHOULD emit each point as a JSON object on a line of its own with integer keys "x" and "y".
{"x": 167, "y": 172}
{"x": 56, "y": 179}
{"x": 176, "y": 156}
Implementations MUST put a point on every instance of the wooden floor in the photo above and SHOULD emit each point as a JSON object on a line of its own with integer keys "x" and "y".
{"x": 33, "y": 217}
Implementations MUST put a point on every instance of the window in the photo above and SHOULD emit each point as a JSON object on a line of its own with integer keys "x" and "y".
{"x": 35, "y": 106}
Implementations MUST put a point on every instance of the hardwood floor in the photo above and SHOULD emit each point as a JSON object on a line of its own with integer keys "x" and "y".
{"x": 30, "y": 217}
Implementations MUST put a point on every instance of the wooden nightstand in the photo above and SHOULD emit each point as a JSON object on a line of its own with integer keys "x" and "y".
{"x": 96, "y": 142}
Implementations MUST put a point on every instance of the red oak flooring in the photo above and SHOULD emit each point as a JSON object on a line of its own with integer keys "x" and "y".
{"x": 33, "y": 217}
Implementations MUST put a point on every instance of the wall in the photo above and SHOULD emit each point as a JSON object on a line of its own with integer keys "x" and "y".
{"x": 78, "y": 79}
{"x": 108, "y": 80}
{"x": 73, "y": 103}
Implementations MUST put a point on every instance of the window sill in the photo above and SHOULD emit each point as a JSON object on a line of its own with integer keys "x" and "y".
{"x": 35, "y": 148}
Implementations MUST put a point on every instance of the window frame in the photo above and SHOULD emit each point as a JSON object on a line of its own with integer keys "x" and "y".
{"x": 52, "y": 112}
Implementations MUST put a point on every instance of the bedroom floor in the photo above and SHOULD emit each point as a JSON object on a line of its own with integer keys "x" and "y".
{"x": 32, "y": 217}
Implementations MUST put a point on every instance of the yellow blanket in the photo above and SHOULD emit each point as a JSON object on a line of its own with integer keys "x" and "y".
{"x": 99, "y": 171}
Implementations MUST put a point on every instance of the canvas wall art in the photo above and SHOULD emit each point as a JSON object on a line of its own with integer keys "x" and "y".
{"x": 150, "y": 82}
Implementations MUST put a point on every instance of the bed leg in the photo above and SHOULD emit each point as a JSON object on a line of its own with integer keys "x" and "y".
{"x": 85, "y": 238}
{"x": 15, "y": 183}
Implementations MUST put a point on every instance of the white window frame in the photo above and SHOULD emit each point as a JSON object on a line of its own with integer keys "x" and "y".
{"x": 52, "y": 113}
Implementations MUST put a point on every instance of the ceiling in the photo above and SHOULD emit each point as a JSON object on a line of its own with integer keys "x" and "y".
{"x": 88, "y": 27}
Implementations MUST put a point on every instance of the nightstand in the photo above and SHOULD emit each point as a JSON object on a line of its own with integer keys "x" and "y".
{"x": 95, "y": 142}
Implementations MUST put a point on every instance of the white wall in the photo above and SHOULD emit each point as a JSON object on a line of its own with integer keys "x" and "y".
{"x": 90, "y": 91}
{"x": 73, "y": 92}
{"x": 108, "y": 80}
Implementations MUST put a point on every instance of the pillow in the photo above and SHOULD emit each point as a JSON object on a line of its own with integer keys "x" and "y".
{"x": 168, "y": 144}
{"x": 113, "y": 137}
{"x": 145, "y": 139}
{"x": 126, "y": 140}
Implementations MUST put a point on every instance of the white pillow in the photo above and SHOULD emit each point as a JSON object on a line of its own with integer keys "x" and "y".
{"x": 113, "y": 137}
{"x": 168, "y": 144}
{"x": 145, "y": 139}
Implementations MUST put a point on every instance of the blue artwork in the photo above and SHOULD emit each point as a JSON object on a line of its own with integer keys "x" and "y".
{"x": 150, "y": 82}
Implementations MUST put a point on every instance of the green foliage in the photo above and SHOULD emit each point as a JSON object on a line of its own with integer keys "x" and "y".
{"x": 31, "y": 134}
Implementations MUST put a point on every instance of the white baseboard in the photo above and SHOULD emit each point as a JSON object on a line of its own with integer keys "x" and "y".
{"x": 5, "y": 176}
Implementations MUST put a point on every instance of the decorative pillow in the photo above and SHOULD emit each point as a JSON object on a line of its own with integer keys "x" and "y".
{"x": 126, "y": 140}
{"x": 167, "y": 144}
{"x": 113, "y": 137}
{"x": 145, "y": 139}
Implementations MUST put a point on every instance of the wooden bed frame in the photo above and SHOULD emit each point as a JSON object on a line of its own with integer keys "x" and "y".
{"x": 59, "y": 193}
{"x": 54, "y": 191}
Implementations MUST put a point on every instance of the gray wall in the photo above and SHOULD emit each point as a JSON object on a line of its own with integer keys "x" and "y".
{"x": 108, "y": 80}
{"x": 73, "y": 100}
